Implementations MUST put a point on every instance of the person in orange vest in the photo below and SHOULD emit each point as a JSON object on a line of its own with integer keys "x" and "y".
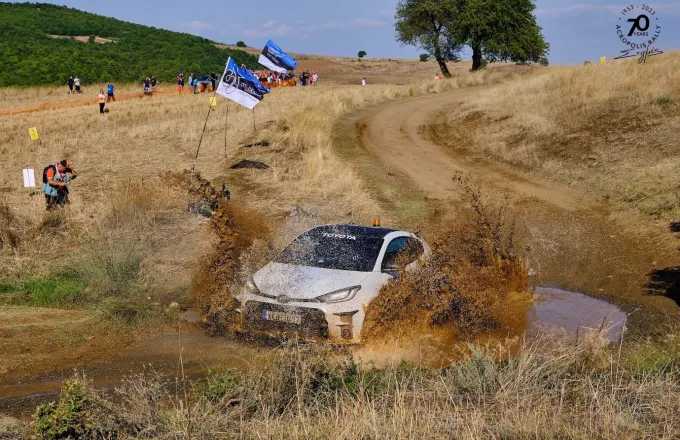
{"x": 102, "y": 101}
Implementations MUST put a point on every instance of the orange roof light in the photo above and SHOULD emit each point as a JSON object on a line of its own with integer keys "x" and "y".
{"x": 376, "y": 222}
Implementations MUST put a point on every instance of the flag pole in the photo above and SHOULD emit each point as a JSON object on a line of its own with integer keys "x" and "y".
{"x": 226, "y": 127}
{"x": 200, "y": 141}
{"x": 254, "y": 129}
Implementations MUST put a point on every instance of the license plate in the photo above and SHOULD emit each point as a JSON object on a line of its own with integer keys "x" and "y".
{"x": 288, "y": 318}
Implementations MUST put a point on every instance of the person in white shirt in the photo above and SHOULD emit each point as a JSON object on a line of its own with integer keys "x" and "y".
{"x": 76, "y": 81}
{"x": 363, "y": 82}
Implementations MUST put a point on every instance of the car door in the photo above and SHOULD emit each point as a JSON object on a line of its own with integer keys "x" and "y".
{"x": 402, "y": 253}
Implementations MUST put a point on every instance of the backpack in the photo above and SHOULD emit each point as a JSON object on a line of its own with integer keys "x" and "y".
{"x": 45, "y": 172}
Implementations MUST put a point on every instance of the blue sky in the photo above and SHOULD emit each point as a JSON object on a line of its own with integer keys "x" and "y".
{"x": 576, "y": 30}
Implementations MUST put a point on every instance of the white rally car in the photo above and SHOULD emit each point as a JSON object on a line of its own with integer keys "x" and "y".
{"x": 319, "y": 286}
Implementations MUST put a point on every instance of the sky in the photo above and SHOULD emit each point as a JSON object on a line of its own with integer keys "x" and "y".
{"x": 576, "y": 30}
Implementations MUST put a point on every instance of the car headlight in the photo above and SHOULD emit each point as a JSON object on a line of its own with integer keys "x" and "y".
{"x": 339, "y": 295}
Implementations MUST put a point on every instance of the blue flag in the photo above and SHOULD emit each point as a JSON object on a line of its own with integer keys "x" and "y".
{"x": 276, "y": 59}
{"x": 240, "y": 85}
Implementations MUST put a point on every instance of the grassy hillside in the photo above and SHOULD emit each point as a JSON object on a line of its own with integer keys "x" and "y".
{"x": 31, "y": 55}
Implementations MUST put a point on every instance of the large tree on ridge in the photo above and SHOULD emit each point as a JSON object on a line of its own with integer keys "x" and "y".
{"x": 427, "y": 24}
{"x": 498, "y": 30}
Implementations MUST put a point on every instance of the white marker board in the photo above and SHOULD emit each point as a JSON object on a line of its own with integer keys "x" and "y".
{"x": 29, "y": 178}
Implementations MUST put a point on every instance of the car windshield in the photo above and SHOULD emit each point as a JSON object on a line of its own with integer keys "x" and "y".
{"x": 333, "y": 251}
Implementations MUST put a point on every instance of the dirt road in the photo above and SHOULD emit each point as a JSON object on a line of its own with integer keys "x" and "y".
{"x": 572, "y": 239}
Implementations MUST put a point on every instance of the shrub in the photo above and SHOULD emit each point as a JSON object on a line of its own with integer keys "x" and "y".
{"x": 663, "y": 100}
{"x": 241, "y": 44}
{"x": 362, "y": 53}
{"x": 543, "y": 61}
{"x": 76, "y": 415}
{"x": 424, "y": 57}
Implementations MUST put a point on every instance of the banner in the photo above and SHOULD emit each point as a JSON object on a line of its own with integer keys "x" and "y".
{"x": 240, "y": 85}
{"x": 276, "y": 59}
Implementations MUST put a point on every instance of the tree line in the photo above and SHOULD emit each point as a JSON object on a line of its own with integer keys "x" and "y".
{"x": 30, "y": 56}
{"x": 494, "y": 30}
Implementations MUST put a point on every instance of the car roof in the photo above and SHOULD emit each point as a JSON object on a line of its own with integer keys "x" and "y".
{"x": 363, "y": 231}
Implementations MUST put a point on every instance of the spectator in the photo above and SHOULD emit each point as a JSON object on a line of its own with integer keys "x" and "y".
{"x": 213, "y": 80}
{"x": 436, "y": 76}
{"x": 147, "y": 86}
{"x": 102, "y": 101}
{"x": 154, "y": 83}
{"x": 76, "y": 81}
{"x": 191, "y": 82}
{"x": 194, "y": 84}
{"x": 315, "y": 78}
{"x": 110, "y": 88}
{"x": 180, "y": 83}
{"x": 363, "y": 82}
{"x": 70, "y": 85}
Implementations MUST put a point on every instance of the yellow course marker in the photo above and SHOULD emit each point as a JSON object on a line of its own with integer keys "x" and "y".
{"x": 213, "y": 101}
{"x": 603, "y": 60}
{"x": 33, "y": 133}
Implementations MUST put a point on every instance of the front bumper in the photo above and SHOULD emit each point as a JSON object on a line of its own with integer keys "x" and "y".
{"x": 339, "y": 323}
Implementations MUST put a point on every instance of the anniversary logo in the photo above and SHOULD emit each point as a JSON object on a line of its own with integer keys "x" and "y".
{"x": 639, "y": 29}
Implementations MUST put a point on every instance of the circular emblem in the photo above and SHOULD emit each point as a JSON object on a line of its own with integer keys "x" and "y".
{"x": 284, "y": 299}
{"x": 231, "y": 78}
{"x": 638, "y": 28}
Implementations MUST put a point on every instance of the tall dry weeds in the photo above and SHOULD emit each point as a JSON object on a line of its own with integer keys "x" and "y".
{"x": 551, "y": 388}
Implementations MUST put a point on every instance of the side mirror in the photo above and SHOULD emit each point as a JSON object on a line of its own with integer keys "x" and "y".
{"x": 392, "y": 271}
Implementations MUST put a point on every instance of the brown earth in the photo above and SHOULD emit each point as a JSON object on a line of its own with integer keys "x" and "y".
{"x": 573, "y": 240}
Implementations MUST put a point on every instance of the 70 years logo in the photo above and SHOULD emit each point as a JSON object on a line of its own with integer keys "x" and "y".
{"x": 638, "y": 28}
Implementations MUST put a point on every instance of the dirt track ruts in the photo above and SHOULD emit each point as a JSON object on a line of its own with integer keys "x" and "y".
{"x": 575, "y": 240}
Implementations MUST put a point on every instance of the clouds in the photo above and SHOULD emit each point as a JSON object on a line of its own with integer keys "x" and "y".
{"x": 197, "y": 26}
{"x": 367, "y": 22}
{"x": 273, "y": 28}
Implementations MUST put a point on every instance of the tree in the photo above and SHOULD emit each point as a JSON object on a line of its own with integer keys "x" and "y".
{"x": 240, "y": 44}
{"x": 500, "y": 30}
{"x": 362, "y": 53}
{"x": 424, "y": 57}
{"x": 429, "y": 25}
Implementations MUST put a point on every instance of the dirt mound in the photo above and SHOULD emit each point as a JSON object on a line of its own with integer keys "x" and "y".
{"x": 216, "y": 277}
{"x": 250, "y": 164}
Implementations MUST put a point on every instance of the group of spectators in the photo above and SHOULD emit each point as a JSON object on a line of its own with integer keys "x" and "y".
{"x": 305, "y": 78}
{"x": 197, "y": 84}
{"x": 73, "y": 82}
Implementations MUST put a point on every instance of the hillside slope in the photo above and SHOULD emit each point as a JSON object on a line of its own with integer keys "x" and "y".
{"x": 33, "y": 52}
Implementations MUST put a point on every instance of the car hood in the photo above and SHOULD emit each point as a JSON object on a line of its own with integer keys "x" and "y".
{"x": 301, "y": 282}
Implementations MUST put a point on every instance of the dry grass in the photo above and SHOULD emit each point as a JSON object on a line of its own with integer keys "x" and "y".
{"x": 610, "y": 129}
{"x": 551, "y": 388}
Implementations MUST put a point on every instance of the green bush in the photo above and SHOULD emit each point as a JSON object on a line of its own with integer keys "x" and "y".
{"x": 217, "y": 386}
{"x": 543, "y": 61}
{"x": 59, "y": 290}
{"x": 362, "y": 53}
{"x": 424, "y": 57}
{"x": 241, "y": 44}
{"x": 663, "y": 100}
{"x": 76, "y": 415}
{"x": 128, "y": 311}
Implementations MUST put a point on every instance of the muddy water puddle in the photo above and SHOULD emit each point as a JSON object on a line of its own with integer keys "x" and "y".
{"x": 188, "y": 355}
{"x": 548, "y": 310}
{"x": 574, "y": 313}
{"x": 551, "y": 309}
